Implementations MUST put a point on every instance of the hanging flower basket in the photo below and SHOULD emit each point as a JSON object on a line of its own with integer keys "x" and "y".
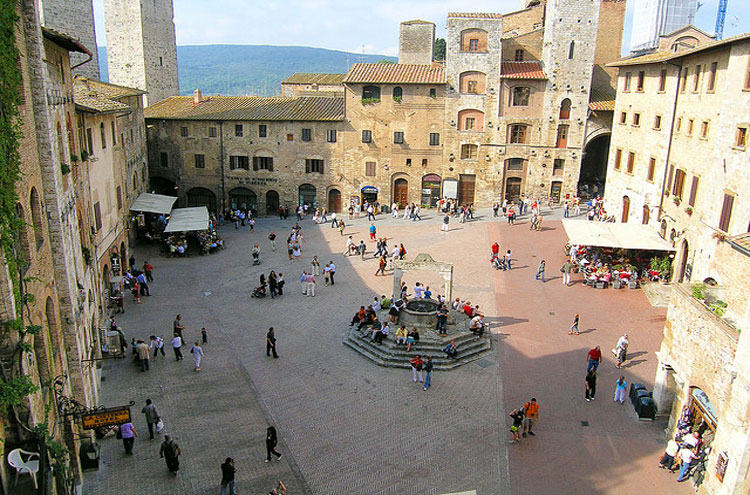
{"x": 677, "y": 200}
{"x": 689, "y": 210}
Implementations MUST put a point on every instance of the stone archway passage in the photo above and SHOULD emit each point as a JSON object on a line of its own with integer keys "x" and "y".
{"x": 423, "y": 262}
{"x": 272, "y": 202}
{"x": 594, "y": 166}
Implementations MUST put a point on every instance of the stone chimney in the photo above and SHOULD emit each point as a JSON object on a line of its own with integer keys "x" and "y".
{"x": 197, "y": 97}
{"x": 416, "y": 40}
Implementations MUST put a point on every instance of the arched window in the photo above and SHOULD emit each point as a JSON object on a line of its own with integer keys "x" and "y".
{"x": 474, "y": 40}
{"x": 397, "y": 93}
{"x": 36, "y": 217}
{"x": 200, "y": 196}
{"x": 470, "y": 120}
{"x": 371, "y": 93}
{"x": 472, "y": 82}
{"x": 565, "y": 109}
{"x": 571, "y": 50}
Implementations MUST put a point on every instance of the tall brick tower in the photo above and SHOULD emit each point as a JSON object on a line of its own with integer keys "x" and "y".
{"x": 141, "y": 46}
{"x": 75, "y": 18}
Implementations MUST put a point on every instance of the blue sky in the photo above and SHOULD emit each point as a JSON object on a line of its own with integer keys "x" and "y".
{"x": 355, "y": 26}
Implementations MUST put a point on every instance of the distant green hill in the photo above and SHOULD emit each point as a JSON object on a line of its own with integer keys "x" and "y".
{"x": 250, "y": 69}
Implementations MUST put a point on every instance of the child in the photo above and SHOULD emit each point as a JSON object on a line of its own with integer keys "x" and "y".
{"x": 574, "y": 326}
{"x": 204, "y": 335}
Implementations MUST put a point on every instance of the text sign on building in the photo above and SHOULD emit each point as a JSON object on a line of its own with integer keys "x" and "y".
{"x": 106, "y": 417}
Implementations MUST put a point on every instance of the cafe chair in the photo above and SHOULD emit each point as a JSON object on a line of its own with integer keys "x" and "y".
{"x": 30, "y": 466}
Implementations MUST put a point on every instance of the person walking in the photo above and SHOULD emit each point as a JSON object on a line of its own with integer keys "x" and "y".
{"x": 620, "y": 386}
{"x": 566, "y": 268}
{"x": 271, "y": 442}
{"x": 204, "y": 335}
{"x": 381, "y": 266}
{"x": 273, "y": 284}
{"x": 373, "y": 230}
{"x": 127, "y": 432}
{"x": 197, "y": 352}
{"x": 271, "y": 343}
{"x": 531, "y": 416}
{"x": 310, "y": 285}
{"x": 590, "y": 385}
{"x": 157, "y": 344}
{"x": 279, "y": 490}
{"x": 148, "y": 269}
{"x": 280, "y": 282}
{"x": 507, "y": 260}
{"x": 170, "y": 452}
{"x": 315, "y": 265}
{"x": 515, "y": 428}
{"x": 152, "y": 417}
{"x": 272, "y": 238}
{"x": 144, "y": 355}
{"x": 622, "y": 350}
{"x": 177, "y": 326}
{"x": 540, "y": 271}
{"x": 427, "y": 373}
{"x": 415, "y": 214}
{"x": 332, "y": 271}
{"x": 176, "y": 344}
{"x": 593, "y": 358}
{"x": 574, "y": 326}
{"x": 686, "y": 456}
{"x": 334, "y": 220}
{"x": 416, "y": 368}
{"x": 446, "y": 222}
{"x": 227, "y": 477}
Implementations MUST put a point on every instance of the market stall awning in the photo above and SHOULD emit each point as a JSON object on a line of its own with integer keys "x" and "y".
{"x": 188, "y": 219}
{"x": 153, "y": 203}
{"x": 615, "y": 235}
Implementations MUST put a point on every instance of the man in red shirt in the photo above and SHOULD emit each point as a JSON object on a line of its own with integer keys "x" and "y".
{"x": 594, "y": 357}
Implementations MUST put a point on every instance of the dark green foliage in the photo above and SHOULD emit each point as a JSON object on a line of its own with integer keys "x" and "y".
{"x": 439, "y": 49}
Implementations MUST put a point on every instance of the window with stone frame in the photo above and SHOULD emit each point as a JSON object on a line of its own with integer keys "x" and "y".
{"x": 398, "y": 137}
{"x": 693, "y": 191}
{"x": 690, "y": 126}
{"x": 470, "y": 119}
{"x": 313, "y": 166}
{"x": 469, "y": 151}
{"x": 118, "y": 194}
{"x": 704, "y": 129}
{"x": 370, "y": 169}
{"x": 626, "y": 84}
{"x": 200, "y": 161}
{"x": 371, "y": 93}
{"x": 565, "y": 109}
{"x": 640, "y": 81}
{"x": 518, "y": 55}
{"x": 473, "y": 82}
{"x": 683, "y": 79}
{"x": 262, "y": 130}
{"x": 239, "y": 162}
{"x": 562, "y": 136}
{"x": 747, "y": 76}
{"x": 474, "y": 40}
{"x": 726, "y": 212}
{"x": 164, "y": 159}
{"x": 518, "y": 133}
{"x": 366, "y": 136}
{"x": 740, "y": 138}
{"x": 623, "y": 117}
{"x": 398, "y": 93}
{"x": 651, "y": 169}
{"x": 631, "y": 162}
{"x": 558, "y": 166}
{"x": 514, "y": 163}
{"x": 697, "y": 78}
{"x": 679, "y": 182}
{"x": 657, "y": 123}
{"x": 113, "y": 128}
{"x": 103, "y": 135}
{"x": 636, "y": 119}
{"x": 434, "y": 139}
{"x": 306, "y": 134}
{"x": 662, "y": 80}
{"x": 263, "y": 163}
{"x": 520, "y": 96}
{"x": 331, "y": 135}
{"x": 618, "y": 158}
{"x": 711, "y": 83}
{"x": 212, "y": 132}
{"x": 98, "y": 216}
{"x": 238, "y": 130}
{"x": 183, "y": 131}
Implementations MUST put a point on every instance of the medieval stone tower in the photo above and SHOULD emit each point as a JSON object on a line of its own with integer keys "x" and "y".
{"x": 416, "y": 42}
{"x": 75, "y": 18}
{"x": 141, "y": 46}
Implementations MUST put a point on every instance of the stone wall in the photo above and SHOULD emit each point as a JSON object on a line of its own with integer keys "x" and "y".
{"x": 74, "y": 18}
{"x": 416, "y": 42}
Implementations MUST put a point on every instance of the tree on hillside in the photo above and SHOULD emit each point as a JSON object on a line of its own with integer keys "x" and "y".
{"x": 385, "y": 61}
{"x": 439, "y": 49}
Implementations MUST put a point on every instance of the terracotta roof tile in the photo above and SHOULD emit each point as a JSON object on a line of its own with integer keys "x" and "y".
{"x": 109, "y": 90}
{"x": 475, "y": 15}
{"x": 395, "y": 74}
{"x": 97, "y": 96}
{"x": 602, "y": 101}
{"x": 314, "y": 78}
{"x": 522, "y": 70}
{"x": 248, "y": 108}
{"x": 743, "y": 241}
{"x": 664, "y": 55}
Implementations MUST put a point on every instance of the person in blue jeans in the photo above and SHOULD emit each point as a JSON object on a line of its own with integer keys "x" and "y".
{"x": 227, "y": 476}
{"x": 686, "y": 456}
{"x": 540, "y": 271}
{"x": 427, "y": 368}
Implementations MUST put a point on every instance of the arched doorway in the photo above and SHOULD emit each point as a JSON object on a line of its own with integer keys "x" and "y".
{"x": 308, "y": 195}
{"x": 272, "y": 202}
{"x": 243, "y": 198}
{"x": 701, "y": 409}
{"x": 684, "y": 276}
{"x": 401, "y": 192}
{"x": 431, "y": 190}
{"x": 625, "y": 209}
{"x": 594, "y": 167}
{"x": 512, "y": 188}
{"x": 646, "y": 214}
{"x": 200, "y": 196}
{"x": 334, "y": 200}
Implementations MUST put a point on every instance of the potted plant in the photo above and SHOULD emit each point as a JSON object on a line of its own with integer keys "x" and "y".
{"x": 699, "y": 291}
{"x": 689, "y": 210}
{"x": 677, "y": 200}
{"x": 663, "y": 266}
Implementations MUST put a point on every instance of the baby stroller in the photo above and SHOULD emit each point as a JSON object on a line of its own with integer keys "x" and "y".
{"x": 498, "y": 263}
{"x": 259, "y": 292}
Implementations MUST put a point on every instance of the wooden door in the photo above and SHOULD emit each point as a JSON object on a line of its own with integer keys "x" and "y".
{"x": 466, "y": 184}
{"x": 334, "y": 200}
{"x": 625, "y": 209}
{"x": 512, "y": 188}
{"x": 401, "y": 192}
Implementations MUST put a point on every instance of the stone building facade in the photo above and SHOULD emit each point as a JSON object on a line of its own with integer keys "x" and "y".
{"x": 678, "y": 163}
{"x": 76, "y": 19}
{"x": 141, "y": 46}
{"x": 308, "y": 84}
{"x": 503, "y": 116}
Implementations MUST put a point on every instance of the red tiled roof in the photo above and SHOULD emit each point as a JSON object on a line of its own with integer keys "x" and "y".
{"x": 602, "y": 101}
{"x": 476, "y": 15}
{"x": 522, "y": 70}
{"x": 395, "y": 74}
{"x": 247, "y": 108}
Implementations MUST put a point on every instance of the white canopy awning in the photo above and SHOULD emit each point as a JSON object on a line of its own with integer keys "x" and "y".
{"x": 615, "y": 235}
{"x": 187, "y": 219}
{"x": 153, "y": 203}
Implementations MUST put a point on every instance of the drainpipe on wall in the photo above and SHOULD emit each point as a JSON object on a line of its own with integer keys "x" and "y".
{"x": 221, "y": 161}
{"x": 671, "y": 138}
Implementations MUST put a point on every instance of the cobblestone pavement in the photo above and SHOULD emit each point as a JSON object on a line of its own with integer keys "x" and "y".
{"x": 349, "y": 426}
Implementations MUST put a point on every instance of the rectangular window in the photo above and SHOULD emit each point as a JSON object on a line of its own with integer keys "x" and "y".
{"x": 704, "y": 130}
{"x": 623, "y": 117}
{"x": 517, "y": 134}
{"x": 558, "y": 166}
{"x": 515, "y": 164}
{"x": 434, "y": 139}
{"x": 290, "y": 137}
{"x": 657, "y": 122}
{"x": 711, "y": 83}
{"x": 697, "y": 78}
{"x": 691, "y": 122}
{"x": 469, "y": 151}
{"x": 747, "y": 76}
{"x": 562, "y": 136}
{"x": 408, "y": 162}
{"x": 683, "y": 83}
{"x": 118, "y": 193}
{"x": 641, "y": 78}
{"x": 521, "y": 97}
{"x": 89, "y": 141}
{"x": 679, "y": 182}
{"x": 518, "y": 56}
{"x": 262, "y": 130}
{"x": 331, "y": 135}
{"x": 114, "y": 134}
{"x": 212, "y": 132}
{"x": 239, "y": 162}
{"x": 313, "y": 166}
{"x": 726, "y": 212}
{"x": 636, "y": 119}
{"x": 424, "y": 162}
{"x": 473, "y": 45}
{"x": 103, "y": 135}
{"x": 184, "y": 131}
{"x": 740, "y": 139}
{"x": 618, "y": 158}
{"x": 471, "y": 87}
{"x": 200, "y": 161}
{"x": 238, "y": 131}
{"x": 678, "y": 126}
{"x": 366, "y": 136}
{"x": 651, "y": 169}
{"x": 631, "y": 162}
{"x": 398, "y": 138}
{"x": 263, "y": 163}
{"x": 307, "y": 134}
{"x": 370, "y": 169}
{"x": 470, "y": 123}
{"x": 164, "y": 159}
{"x": 98, "y": 215}
{"x": 628, "y": 77}
{"x": 662, "y": 80}
{"x": 693, "y": 191}
{"x": 669, "y": 179}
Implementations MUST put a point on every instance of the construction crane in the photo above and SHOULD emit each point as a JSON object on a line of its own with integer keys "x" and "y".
{"x": 720, "y": 17}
